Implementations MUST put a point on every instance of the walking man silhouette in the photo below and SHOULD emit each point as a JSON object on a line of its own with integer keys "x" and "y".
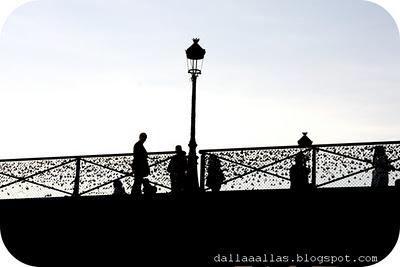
{"x": 140, "y": 166}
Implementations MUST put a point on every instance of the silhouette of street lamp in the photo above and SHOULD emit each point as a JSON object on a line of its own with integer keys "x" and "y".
{"x": 195, "y": 55}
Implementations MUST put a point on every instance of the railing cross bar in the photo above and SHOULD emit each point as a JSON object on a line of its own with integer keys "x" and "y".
{"x": 260, "y": 169}
{"x": 346, "y": 176}
{"x": 105, "y": 167}
{"x": 104, "y": 184}
{"x": 351, "y": 174}
{"x": 345, "y": 156}
{"x": 21, "y": 179}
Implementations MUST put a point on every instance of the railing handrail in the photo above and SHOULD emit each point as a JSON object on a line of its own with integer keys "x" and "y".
{"x": 84, "y": 156}
{"x": 296, "y": 146}
{"x": 200, "y": 151}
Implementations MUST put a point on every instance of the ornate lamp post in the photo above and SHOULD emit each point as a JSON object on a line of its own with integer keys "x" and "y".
{"x": 195, "y": 55}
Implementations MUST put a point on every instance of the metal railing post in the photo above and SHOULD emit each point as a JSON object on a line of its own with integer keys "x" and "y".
{"x": 314, "y": 167}
{"x": 202, "y": 170}
{"x": 77, "y": 174}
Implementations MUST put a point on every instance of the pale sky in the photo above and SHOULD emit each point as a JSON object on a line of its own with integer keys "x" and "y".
{"x": 86, "y": 77}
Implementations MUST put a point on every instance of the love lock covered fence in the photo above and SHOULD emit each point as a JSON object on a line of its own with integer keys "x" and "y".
{"x": 80, "y": 176}
{"x": 332, "y": 165}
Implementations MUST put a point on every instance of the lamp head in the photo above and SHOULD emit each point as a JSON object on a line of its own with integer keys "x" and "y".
{"x": 195, "y": 55}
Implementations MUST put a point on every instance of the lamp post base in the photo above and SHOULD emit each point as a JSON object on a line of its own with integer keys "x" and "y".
{"x": 193, "y": 184}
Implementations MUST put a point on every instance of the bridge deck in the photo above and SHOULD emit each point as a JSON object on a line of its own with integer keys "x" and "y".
{"x": 191, "y": 230}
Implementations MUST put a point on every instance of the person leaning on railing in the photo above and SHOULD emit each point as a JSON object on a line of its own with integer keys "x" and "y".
{"x": 382, "y": 166}
{"x": 215, "y": 176}
{"x": 118, "y": 188}
{"x": 177, "y": 168}
{"x": 299, "y": 173}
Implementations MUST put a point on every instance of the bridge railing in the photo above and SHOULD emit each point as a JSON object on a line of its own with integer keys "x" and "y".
{"x": 77, "y": 175}
{"x": 331, "y": 165}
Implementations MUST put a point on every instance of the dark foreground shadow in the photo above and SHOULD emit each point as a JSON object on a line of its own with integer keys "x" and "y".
{"x": 202, "y": 229}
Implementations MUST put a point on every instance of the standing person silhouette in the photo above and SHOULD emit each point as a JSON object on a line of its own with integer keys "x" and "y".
{"x": 140, "y": 166}
{"x": 382, "y": 166}
{"x": 177, "y": 168}
{"x": 215, "y": 175}
{"x": 299, "y": 173}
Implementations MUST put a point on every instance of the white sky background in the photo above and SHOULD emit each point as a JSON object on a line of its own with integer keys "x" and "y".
{"x": 86, "y": 77}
